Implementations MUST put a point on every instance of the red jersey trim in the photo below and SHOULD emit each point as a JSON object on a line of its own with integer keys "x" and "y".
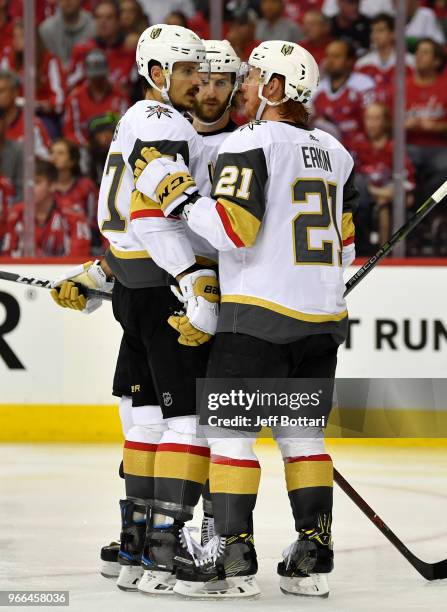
{"x": 170, "y": 447}
{"x": 146, "y": 213}
{"x": 140, "y": 446}
{"x": 222, "y": 460}
{"x": 227, "y": 225}
{"x": 310, "y": 458}
{"x": 348, "y": 241}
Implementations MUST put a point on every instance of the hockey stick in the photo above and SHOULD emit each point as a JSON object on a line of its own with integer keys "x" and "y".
{"x": 386, "y": 248}
{"x": 46, "y": 284}
{"x": 430, "y": 571}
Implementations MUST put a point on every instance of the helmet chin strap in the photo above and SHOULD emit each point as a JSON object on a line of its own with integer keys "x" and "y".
{"x": 265, "y": 101}
{"x": 261, "y": 109}
{"x": 165, "y": 89}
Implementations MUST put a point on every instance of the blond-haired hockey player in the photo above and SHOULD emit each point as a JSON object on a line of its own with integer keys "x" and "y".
{"x": 280, "y": 214}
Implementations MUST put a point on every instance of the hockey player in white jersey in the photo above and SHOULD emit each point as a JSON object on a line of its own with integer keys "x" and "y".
{"x": 212, "y": 120}
{"x": 215, "y": 98}
{"x": 165, "y": 463}
{"x": 280, "y": 214}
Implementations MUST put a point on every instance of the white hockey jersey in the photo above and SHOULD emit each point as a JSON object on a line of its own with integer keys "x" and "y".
{"x": 212, "y": 142}
{"x": 147, "y": 124}
{"x": 280, "y": 214}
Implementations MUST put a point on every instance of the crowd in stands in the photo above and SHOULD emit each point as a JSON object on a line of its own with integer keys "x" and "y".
{"x": 86, "y": 78}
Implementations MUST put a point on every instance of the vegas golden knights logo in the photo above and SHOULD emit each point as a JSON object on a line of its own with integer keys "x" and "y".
{"x": 156, "y": 33}
{"x": 286, "y": 49}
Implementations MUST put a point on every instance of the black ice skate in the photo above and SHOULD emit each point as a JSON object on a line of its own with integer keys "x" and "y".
{"x": 132, "y": 541}
{"x": 224, "y": 568}
{"x": 308, "y": 561}
{"x": 164, "y": 548}
{"x": 110, "y": 567}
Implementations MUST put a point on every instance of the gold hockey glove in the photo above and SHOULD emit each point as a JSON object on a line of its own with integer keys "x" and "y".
{"x": 167, "y": 181}
{"x": 67, "y": 290}
{"x": 199, "y": 292}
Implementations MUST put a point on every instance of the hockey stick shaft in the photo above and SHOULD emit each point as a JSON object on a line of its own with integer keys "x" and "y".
{"x": 386, "y": 248}
{"x": 46, "y": 284}
{"x": 430, "y": 571}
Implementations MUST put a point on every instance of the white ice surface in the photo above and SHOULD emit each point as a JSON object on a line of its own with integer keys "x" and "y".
{"x": 58, "y": 505}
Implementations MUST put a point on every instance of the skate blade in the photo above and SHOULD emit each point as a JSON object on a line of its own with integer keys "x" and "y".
{"x": 243, "y": 587}
{"x": 110, "y": 569}
{"x": 314, "y": 585}
{"x": 129, "y": 577}
{"x": 157, "y": 583}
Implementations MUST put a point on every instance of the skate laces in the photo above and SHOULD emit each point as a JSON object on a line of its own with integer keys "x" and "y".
{"x": 207, "y": 531}
{"x": 289, "y": 552}
{"x": 188, "y": 542}
{"x": 212, "y": 550}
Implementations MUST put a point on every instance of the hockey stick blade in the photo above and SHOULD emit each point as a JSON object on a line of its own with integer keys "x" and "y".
{"x": 429, "y": 571}
{"x": 46, "y": 284}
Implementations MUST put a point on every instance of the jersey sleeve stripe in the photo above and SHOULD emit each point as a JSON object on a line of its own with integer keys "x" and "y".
{"x": 227, "y": 225}
{"x": 348, "y": 229}
{"x": 241, "y": 222}
{"x": 138, "y": 214}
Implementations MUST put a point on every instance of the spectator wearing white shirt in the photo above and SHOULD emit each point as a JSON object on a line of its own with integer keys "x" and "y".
{"x": 157, "y": 10}
{"x": 422, "y": 23}
{"x": 369, "y": 8}
{"x": 380, "y": 62}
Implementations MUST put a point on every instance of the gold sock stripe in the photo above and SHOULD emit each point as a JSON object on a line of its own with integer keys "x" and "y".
{"x": 184, "y": 466}
{"x": 234, "y": 479}
{"x": 138, "y": 462}
{"x": 302, "y": 474}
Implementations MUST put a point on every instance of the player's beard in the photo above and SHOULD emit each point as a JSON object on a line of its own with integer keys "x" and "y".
{"x": 187, "y": 102}
{"x": 209, "y": 114}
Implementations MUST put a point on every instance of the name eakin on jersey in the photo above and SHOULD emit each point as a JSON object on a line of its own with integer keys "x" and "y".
{"x": 282, "y": 221}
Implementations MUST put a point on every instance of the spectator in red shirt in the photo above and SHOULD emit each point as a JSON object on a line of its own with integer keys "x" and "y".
{"x": 50, "y": 77}
{"x": 316, "y": 35}
{"x": 241, "y": 34}
{"x": 373, "y": 153}
{"x": 296, "y": 10}
{"x": 73, "y": 191}
{"x": 6, "y": 25}
{"x": 379, "y": 64}
{"x": 13, "y": 115}
{"x": 6, "y": 201}
{"x": 111, "y": 39}
{"x": 93, "y": 97}
{"x": 57, "y": 233}
{"x": 426, "y": 116}
{"x": 342, "y": 95}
